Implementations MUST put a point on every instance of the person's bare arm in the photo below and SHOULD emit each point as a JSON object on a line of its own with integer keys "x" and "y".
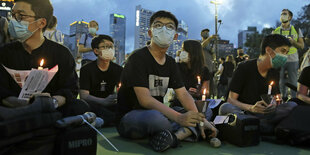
{"x": 259, "y": 106}
{"x": 82, "y": 49}
{"x": 298, "y": 44}
{"x": 147, "y": 101}
{"x": 302, "y": 92}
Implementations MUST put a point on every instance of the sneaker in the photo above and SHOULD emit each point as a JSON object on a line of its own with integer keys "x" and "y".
{"x": 163, "y": 140}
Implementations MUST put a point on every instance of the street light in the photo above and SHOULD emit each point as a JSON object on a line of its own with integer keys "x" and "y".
{"x": 216, "y": 2}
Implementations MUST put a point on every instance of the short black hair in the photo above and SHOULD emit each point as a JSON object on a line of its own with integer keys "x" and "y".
{"x": 41, "y": 9}
{"x": 52, "y": 23}
{"x": 274, "y": 41}
{"x": 164, "y": 14}
{"x": 289, "y": 12}
{"x": 99, "y": 39}
{"x": 205, "y": 30}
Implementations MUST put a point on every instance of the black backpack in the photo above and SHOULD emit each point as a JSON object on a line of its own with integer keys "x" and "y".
{"x": 295, "y": 128}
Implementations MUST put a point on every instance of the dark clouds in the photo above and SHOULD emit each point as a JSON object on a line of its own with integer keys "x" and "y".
{"x": 198, "y": 14}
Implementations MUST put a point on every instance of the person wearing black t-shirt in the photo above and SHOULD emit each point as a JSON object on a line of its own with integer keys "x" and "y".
{"x": 304, "y": 85}
{"x": 28, "y": 50}
{"x": 100, "y": 78}
{"x": 226, "y": 75}
{"x": 251, "y": 80}
{"x": 191, "y": 67}
{"x": 240, "y": 56}
{"x": 147, "y": 75}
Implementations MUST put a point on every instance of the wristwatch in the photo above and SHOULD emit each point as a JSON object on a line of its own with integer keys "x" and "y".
{"x": 55, "y": 102}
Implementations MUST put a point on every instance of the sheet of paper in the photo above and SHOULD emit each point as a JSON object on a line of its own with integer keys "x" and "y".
{"x": 32, "y": 81}
{"x": 220, "y": 119}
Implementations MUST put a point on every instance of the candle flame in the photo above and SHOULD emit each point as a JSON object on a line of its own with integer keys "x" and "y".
{"x": 198, "y": 77}
{"x": 271, "y": 83}
{"x": 277, "y": 97}
{"x": 42, "y": 62}
{"x": 119, "y": 85}
{"x": 204, "y": 91}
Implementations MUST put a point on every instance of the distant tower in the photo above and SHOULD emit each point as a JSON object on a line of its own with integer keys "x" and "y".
{"x": 77, "y": 28}
{"x": 142, "y": 26}
{"x": 118, "y": 33}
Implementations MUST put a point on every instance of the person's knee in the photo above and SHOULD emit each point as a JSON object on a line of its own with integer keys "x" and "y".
{"x": 225, "y": 108}
{"x": 156, "y": 121}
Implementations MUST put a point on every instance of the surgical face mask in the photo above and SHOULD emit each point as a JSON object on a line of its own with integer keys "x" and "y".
{"x": 284, "y": 18}
{"x": 92, "y": 30}
{"x": 184, "y": 56}
{"x": 205, "y": 35}
{"x": 162, "y": 36}
{"x": 108, "y": 53}
{"x": 279, "y": 60}
{"x": 19, "y": 30}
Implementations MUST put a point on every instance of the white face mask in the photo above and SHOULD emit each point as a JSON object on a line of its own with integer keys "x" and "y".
{"x": 284, "y": 18}
{"x": 184, "y": 56}
{"x": 108, "y": 54}
{"x": 92, "y": 30}
{"x": 162, "y": 36}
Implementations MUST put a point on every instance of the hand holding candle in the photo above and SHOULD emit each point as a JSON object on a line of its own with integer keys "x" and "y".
{"x": 270, "y": 88}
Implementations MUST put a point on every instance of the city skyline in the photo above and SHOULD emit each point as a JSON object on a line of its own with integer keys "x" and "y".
{"x": 198, "y": 14}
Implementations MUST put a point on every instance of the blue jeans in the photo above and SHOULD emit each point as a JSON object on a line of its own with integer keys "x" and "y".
{"x": 292, "y": 70}
{"x": 138, "y": 124}
{"x": 267, "y": 121}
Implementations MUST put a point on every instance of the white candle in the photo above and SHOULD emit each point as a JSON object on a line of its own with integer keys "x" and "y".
{"x": 199, "y": 80}
{"x": 270, "y": 87}
{"x": 203, "y": 98}
{"x": 41, "y": 64}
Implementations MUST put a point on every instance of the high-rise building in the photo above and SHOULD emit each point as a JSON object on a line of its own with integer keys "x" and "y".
{"x": 182, "y": 35}
{"x": 118, "y": 33}
{"x": 225, "y": 48}
{"x": 77, "y": 28}
{"x": 243, "y": 35}
{"x": 142, "y": 26}
{"x": 6, "y": 7}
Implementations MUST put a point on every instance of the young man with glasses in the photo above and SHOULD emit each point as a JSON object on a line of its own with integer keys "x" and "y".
{"x": 99, "y": 79}
{"x": 147, "y": 75}
{"x": 29, "y": 20}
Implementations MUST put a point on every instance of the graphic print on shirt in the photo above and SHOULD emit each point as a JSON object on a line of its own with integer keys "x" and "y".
{"x": 158, "y": 85}
{"x": 103, "y": 84}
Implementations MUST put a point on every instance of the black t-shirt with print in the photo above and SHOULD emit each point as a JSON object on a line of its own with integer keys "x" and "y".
{"x": 250, "y": 85}
{"x": 189, "y": 78}
{"x": 305, "y": 77}
{"x": 142, "y": 70}
{"x": 100, "y": 83}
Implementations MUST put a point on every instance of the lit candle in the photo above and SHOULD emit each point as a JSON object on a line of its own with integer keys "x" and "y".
{"x": 278, "y": 100}
{"x": 119, "y": 86}
{"x": 270, "y": 87}
{"x": 203, "y": 98}
{"x": 199, "y": 80}
{"x": 41, "y": 65}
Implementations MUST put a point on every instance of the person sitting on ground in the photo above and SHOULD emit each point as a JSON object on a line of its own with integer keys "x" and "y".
{"x": 52, "y": 33}
{"x": 28, "y": 50}
{"x": 100, "y": 78}
{"x": 147, "y": 75}
{"x": 251, "y": 79}
{"x": 191, "y": 66}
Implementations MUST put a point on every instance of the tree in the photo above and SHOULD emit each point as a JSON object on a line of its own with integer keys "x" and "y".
{"x": 254, "y": 40}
